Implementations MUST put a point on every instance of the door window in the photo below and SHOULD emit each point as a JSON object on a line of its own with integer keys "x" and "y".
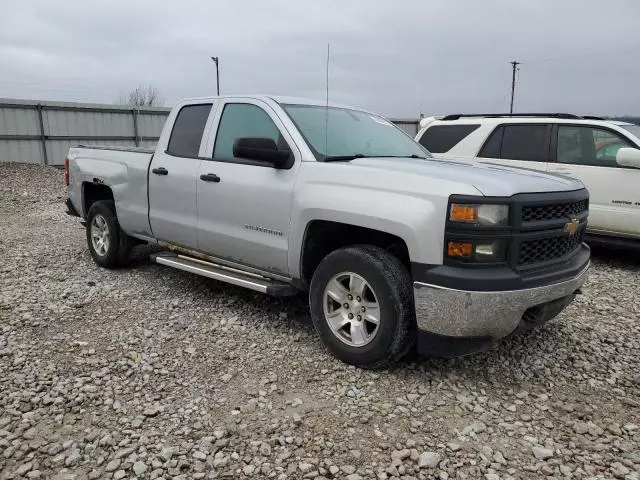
{"x": 584, "y": 145}
{"x": 187, "y": 130}
{"x": 518, "y": 142}
{"x": 493, "y": 145}
{"x": 240, "y": 120}
{"x": 526, "y": 142}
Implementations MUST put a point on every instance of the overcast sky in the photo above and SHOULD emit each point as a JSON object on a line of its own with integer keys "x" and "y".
{"x": 395, "y": 57}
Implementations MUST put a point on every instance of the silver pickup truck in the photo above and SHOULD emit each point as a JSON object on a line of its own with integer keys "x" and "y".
{"x": 395, "y": 248}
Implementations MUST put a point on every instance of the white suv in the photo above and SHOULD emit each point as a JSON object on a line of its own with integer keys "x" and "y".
{"x": 604, "y": 154}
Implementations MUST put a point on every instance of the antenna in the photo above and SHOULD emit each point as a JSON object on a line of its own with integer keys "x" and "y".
{"x": 326, "y": 112}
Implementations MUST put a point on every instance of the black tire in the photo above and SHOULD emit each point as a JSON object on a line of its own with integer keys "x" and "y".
{"x": 392, "y": 284}
{"x": 118, "y": 252}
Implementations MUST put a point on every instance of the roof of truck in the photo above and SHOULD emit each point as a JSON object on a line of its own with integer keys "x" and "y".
{"x": 281, "y": 99}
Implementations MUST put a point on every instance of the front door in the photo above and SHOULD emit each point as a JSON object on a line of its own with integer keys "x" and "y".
{"x": 589, "y": 154}
{"x": 173, "y": 176}
{"x": 244, "y": 206}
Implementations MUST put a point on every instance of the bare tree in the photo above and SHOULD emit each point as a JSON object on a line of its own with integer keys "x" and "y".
{"x": 141, "y": 96}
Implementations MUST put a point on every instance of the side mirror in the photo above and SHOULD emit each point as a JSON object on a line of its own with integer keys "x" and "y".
{"x": 262, "y": 150}
{"x": 628, "y": 157}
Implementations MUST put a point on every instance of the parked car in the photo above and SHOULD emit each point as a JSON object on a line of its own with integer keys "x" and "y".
{"x": 395, "y": 248}
{"x": 603, "y": 154}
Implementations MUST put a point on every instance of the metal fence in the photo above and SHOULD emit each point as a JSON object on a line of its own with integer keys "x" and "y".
{"x": 409, "y": 126}
{"x": 42, "y": 132}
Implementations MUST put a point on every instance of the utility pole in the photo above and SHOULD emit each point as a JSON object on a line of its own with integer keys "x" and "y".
{"x": 215, "y": 59}
{"x": 514, "y": 64}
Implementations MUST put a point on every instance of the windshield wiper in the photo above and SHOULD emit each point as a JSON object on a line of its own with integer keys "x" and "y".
{"x": 342, "y": 158}
{"x": 403, "y": 156}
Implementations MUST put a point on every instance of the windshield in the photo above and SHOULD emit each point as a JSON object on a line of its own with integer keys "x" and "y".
{"x": 634, "y": 129}
{"x": 342, "y": 134}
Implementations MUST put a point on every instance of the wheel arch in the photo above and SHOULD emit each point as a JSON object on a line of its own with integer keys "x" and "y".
{"x": 93, "y": 192}
{"x": 322, "y": 237}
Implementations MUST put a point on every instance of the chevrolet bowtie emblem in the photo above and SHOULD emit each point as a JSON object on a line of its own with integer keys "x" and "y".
{"x": 572, "y": 227}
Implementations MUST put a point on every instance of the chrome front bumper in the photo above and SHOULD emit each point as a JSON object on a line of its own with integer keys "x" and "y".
{"x": 458, "y": 313}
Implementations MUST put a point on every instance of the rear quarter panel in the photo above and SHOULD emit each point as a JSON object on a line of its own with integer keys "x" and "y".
{"x": 124, "y": 172}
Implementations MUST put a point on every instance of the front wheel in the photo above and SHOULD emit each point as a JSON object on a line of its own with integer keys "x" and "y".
{"x": 109, "y": 246}
{"x": 362, "y": 306}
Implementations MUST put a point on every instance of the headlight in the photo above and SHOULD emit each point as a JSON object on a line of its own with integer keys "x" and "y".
{"x": 479, "y": 214}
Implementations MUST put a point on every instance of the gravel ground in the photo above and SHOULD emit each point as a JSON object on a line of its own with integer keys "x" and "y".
{"x": 154, "y": 373}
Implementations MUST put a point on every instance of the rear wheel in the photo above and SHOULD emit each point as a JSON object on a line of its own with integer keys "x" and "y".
{"x": 362, "y": 306}
{"x": 109, "y": 246}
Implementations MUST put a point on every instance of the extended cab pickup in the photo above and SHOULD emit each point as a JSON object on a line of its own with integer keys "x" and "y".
{"x": 283, "y": 195}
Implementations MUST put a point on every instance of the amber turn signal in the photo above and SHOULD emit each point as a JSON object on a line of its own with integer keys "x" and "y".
{"x": 463, "y": 213}
{"x": 459, "y": 249}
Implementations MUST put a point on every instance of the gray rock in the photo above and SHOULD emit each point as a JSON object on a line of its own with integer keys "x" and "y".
{"x": 139, "y": 468}
{"x": 73, "y": 458}
{"x": 581, "y": 428}
{"x": 542, "y": 453}
{"x": 265, "y": 449}
{"x": 113, "y": 465}
{"x": 401, "y": 454}
{"x": 429, "y": 460}
{"x": 198, "y": 455}
{"x": 305, "y": 467}
{"x": 348, "y": 469}
{"x": 24, "y": 468}
{"x": 453, "y": 446}
{"x": 167, "y": 453}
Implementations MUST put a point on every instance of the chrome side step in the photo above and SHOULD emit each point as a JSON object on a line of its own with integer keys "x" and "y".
{"x": 233, "y": 276}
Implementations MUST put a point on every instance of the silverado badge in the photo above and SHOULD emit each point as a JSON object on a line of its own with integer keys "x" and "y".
{"x": 572, "y": 227}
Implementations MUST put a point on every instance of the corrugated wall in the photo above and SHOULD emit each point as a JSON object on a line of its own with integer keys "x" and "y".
{"x": 409, "y": 126}
{"x": 42, "y": 132}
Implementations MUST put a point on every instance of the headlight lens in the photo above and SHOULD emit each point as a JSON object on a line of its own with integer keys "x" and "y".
{"x": 479, "y": 214}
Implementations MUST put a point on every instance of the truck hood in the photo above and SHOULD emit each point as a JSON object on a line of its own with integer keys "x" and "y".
{"x": 490, "y": 180}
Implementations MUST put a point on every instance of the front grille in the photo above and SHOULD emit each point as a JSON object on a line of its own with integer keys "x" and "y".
{"x": 543, "y": 250}
{"x": 554, "y": 211}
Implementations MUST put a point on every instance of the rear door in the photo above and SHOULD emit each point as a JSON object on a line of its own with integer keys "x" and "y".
{"x": 588, "y": 153}
{"x": 518, "y": 145}
{"x": 244, "y": 206}
{"x": 173, "y": 177}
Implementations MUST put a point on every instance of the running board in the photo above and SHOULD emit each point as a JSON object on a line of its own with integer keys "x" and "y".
{"x": 224, "y": 274}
